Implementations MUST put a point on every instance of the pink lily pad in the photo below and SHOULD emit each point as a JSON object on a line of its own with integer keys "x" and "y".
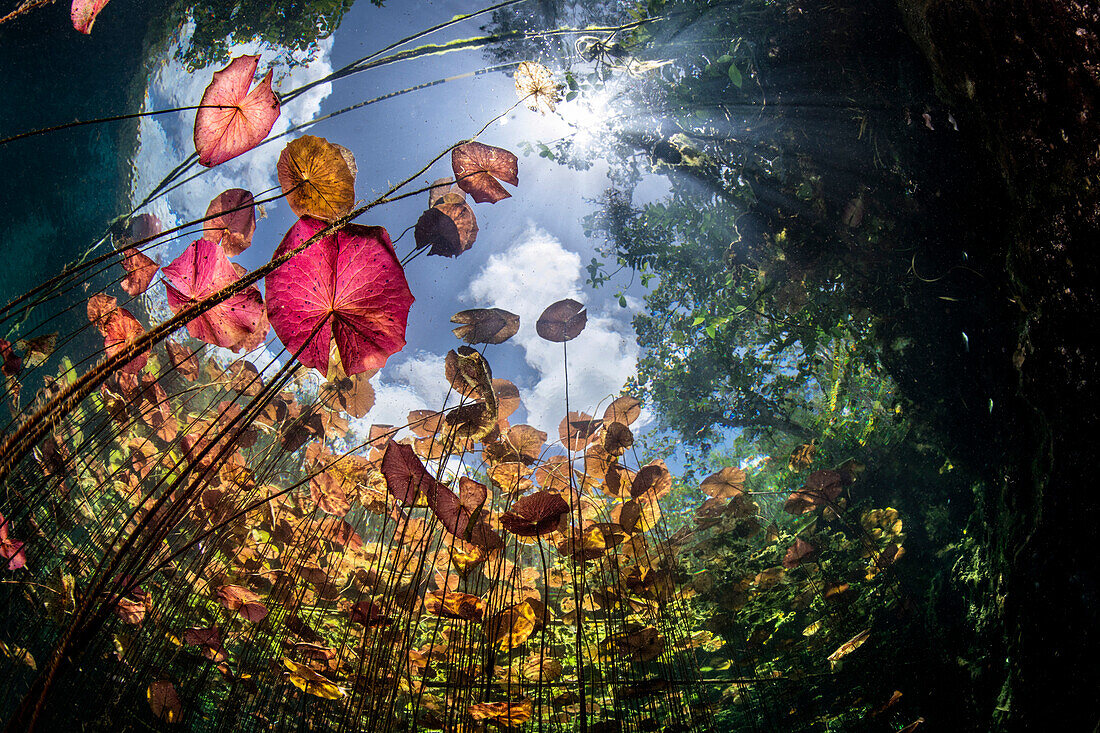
{"x": 202, "y": 270}
{"x": 349, "y": 286}
{"x": 84, "y": 12}
{"x": 11, "y": 549}
{"x": 233, "y": 120}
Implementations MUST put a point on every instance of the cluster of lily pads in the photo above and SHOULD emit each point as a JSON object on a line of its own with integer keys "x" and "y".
{"x": 228, "y": 539}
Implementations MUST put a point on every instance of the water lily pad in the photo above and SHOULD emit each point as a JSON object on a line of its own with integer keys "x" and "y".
{"x": 232, "y": 120}
{"x": 348, "y": 286}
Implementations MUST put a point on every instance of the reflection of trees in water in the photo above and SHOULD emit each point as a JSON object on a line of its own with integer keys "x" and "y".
{"x": 546, "y": 15}
{"x": 295, "y": 27}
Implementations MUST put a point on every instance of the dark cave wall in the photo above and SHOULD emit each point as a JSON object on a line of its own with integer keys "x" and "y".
{"x": 1028, "y": 73}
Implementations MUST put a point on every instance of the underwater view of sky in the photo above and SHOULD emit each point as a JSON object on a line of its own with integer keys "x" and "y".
{"x": 530, "y": 251}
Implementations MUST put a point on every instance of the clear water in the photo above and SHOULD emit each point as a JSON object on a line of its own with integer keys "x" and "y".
{"x": 769, "y": 217}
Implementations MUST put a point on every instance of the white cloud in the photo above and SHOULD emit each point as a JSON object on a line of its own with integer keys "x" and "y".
{"x": 416, "y": 383}
{"x": 524, "y": 279}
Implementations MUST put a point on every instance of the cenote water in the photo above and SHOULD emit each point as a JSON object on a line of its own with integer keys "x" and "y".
{"x": 667, "y": 365}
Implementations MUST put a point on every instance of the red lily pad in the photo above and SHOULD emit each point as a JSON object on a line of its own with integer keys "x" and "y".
{"x": 12, "y": 363}
{"x": 796, "y": 553}
{"x": 461, "y": 514}
{"x": 479, "y": 168}
{"x": 368, "y": 614}
{"x": 405, "y": 475}
{"x": 118, "y": 328}
{"x": 210, "y": 639}
{"x": 202, "y": 270}
{"x": 140, "y": 270}
{"x": 234, "y": 221}
{"x": 535, "y": 515}
{"x": 242, "y": 600}
{"x": 348, "y": 286}
{"x": 233, "y": 120}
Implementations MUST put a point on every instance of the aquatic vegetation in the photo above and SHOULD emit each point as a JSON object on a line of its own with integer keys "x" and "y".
{"x": 232, "y": 119}
{"x": 786, "y": 521}
{"x": 346, "y": 288}
{"x": 84, "y": 13}
{"x": 207, "y": 536}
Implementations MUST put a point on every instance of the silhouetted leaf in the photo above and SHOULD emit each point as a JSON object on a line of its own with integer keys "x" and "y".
{"x": 822, "y": 487}
{"x": 477, "y": 168}
{"x": 562, "y": 321}
{"x": 468, "y": 373}
{"x": 369, "y": 614}
{"x": 521, "y": 443}
{"x": 485, "y": 325}
{"x": 209, "y": 640}
{"x": 535, "y": 515}
{"x": 617, "y": 438}
{"x": 449, "y": 228}
{"x": 637, "y": 515}
{"x": 461, "y": 515}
